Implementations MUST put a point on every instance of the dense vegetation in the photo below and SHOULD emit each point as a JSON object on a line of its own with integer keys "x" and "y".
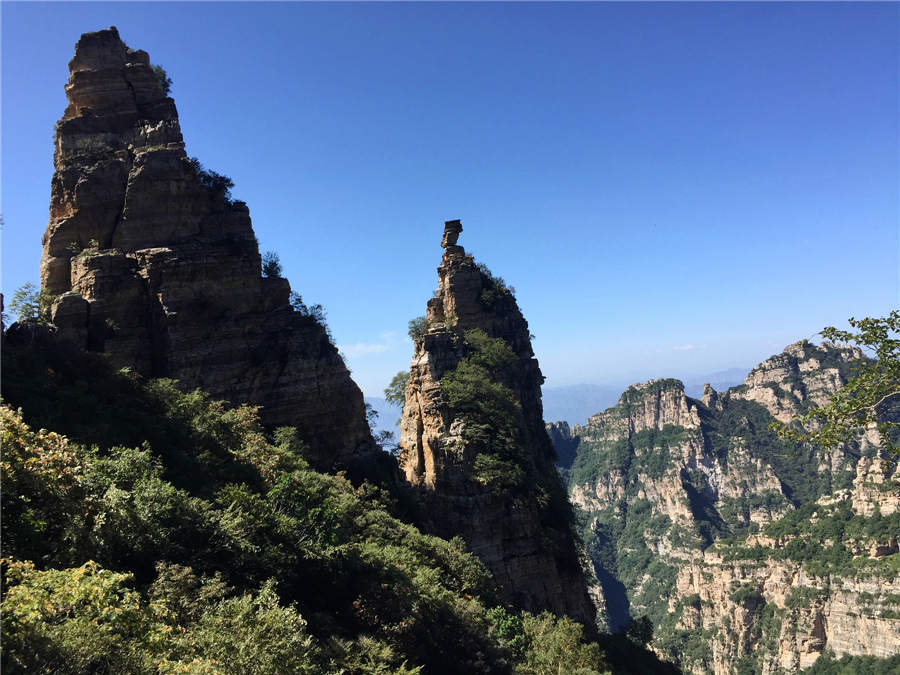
{"x": 490, "y": 415}
{"x": 826, "y": 540}
{"x": 171, "y": 533}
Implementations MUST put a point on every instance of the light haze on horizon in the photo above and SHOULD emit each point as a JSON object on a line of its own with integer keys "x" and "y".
{"x": 673, "y": 189}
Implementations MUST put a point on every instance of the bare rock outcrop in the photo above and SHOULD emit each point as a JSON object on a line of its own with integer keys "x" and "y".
{"x": 154, "y": 265}
{"x": 507, "y": 504}
{"x": 802, "y": 376}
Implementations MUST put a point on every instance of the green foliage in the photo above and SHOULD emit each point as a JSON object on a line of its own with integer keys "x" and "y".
{"x": 555, "y": 645}
{"x": 395, "y": 393}
{"x": 87, "y": 619}
{"x": 251, "y": 633}
{"x": 271, "y": 265}
{"x": 494, "y": 290}
{"x": 212, "y": 181}
{"x": 165, "y": 82}
{"x": 747, "y": 423}
{"x": 491, "y": 416}
{"x": 493, "y": 354}
{"x": 418, "y": 327}
{"x": 32, "y": 305}
{"x": 822, "y": 538}
{"x": 500, "y": 475}
{"x": 545, "y": 644}
{"x": 640, "y": 630}
{"x": 869, "y": 398}
{"x": 827, "y": 664}
{"x": 72, "y": 620}
{"x": 509, "y": 629}
{"x": 372, "y": 587}
{"x": 804, "y": 597}
{"x": 155, "y": 530}
{"x": 748, "y": 596}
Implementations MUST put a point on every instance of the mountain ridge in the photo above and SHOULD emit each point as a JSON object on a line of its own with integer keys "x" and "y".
{"x": 663, "y": 478}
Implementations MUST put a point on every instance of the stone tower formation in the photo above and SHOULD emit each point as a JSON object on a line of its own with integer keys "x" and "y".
{"x": 154, "y": 265}
{"x": 526, "y": 543}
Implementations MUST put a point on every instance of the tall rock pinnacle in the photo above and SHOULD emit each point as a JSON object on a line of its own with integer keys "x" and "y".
{"x": 473, "y": 439}
{"x": 153, "y": 264}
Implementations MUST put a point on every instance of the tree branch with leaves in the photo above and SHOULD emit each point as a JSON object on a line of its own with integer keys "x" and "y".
{"x": 870, "y": 398}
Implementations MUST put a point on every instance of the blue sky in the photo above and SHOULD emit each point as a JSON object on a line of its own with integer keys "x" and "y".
{"x": 673, "y": 189}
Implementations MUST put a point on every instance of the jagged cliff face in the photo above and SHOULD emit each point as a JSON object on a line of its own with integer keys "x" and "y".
{"x": 821, "y": 579}
{"x": 491, "y": 481}
{"x": 663, "y": 477}
{"x": 154, "y": 265}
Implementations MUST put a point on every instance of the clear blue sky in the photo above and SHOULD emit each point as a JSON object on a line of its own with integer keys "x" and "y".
{"x": 672, "y": 188}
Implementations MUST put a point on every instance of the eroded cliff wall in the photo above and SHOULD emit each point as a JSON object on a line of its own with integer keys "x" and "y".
{"x": 154, "y": 265}
{"x": 473, "y": 439}
{"x": 748, "y": 552}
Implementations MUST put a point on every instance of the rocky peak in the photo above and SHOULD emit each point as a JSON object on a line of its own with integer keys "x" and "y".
{"x": 153, "y": 264}
{"x": 804, "y": 375}
{"x": 710, "y": 396}
{"x": 659, "y": 403}
{"x": 473, "y": 438}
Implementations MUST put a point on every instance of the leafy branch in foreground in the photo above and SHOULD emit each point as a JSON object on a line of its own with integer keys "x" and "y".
{"x": 867, "y": 399}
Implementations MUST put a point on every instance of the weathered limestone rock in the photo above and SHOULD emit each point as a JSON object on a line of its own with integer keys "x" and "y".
{"x": 802, "y": 376}
{"x": 805, "y": 615}
{"x": 526, "y": 544}
{"x": 156, "y": 267}
{"x": 710, "y": 396}
{"x": 663, "y": 476}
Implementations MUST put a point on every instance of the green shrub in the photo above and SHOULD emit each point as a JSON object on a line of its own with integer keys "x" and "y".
{"x": 271, "y": 265}
{"x": 165, "y": 82}
{"x": 418, "y": 327}
{"x": 395, "y": 393}
{"x": 30, "y": 304}
{"x": 212, "y": 181}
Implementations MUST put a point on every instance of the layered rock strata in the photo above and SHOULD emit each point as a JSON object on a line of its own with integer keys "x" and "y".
{"x": 154, "y": 265}
{"x": 520, "y": 530}
{"x": 759, "y": 606}
{"x": 668, "y": 480}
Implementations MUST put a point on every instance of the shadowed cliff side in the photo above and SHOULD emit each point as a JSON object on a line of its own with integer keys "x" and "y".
{"x": 473, "y": 439}
{"x": 153, "y": 264}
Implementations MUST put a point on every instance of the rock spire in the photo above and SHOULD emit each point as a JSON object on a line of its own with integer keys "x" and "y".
{"x": 153, "y": 264}
{"x": 473, "y": 439}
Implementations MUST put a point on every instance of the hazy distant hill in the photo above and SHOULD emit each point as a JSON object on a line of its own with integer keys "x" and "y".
{"x": 577, "y": 402}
